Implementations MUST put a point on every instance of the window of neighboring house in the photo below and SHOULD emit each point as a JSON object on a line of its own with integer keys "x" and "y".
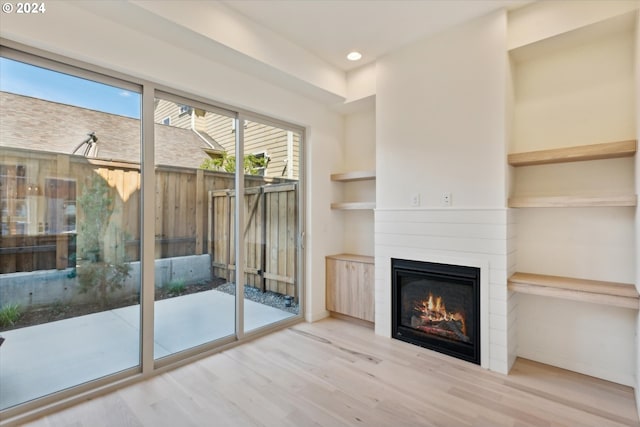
{"x": 166, "y": 121}
{"x": 261, "y": 171}
{"x": 233, "y": 125}
{"x": 185, "y": 109}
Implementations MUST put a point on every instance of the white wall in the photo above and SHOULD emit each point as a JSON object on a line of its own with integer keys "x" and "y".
{"x": 360, "y": 140}
{"x": 637, "y": 168}
{"x": 218, "y": 22}
{"x": 76, "y": 32}
{"x": 440, "y": 118}
{"x": 546, "y": 19}
{"x": 575, "y": 96}
{"x": 361, "y": 82}
{"x": 359, "y": 155}
{"x": 593, "y": 339}
{"x": 440, "y": 126}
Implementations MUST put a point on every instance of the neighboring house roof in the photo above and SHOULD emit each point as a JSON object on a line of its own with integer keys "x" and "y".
{"x": 49, "y": 126}
{"x": 212, "y": 143}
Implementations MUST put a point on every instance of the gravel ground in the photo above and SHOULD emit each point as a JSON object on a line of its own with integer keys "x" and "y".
{"x": 267, "y": 298}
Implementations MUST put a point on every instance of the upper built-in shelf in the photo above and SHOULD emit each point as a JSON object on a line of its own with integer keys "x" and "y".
{"x": 593, "y": 291}
{"x": 608, "y": 150}
{"x": 353, "y": 176}
{"x": 573, "y": 201}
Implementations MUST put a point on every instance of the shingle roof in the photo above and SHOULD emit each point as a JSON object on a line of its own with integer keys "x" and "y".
{"x": 40, "y": 125}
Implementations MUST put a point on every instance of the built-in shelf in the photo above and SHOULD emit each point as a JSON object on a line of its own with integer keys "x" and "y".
{"x": 572, "y": 201}
{"x": 353, "y": 257}
{"x": 593, "y": 291}
{"x": 608, "y": 150}
{"x": 353, "y": 205}
{"x": 353, "y": 176}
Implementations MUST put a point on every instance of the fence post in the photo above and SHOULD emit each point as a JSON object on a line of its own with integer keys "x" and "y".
{"x": 263, "y": 243}
{"x": 230, "y": 230}
{"x": 199, "y": 210}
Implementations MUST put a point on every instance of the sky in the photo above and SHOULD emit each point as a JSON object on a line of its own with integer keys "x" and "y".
{"x": 23, "y": 79}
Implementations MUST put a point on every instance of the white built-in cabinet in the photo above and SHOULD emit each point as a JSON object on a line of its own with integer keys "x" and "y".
{"x": 572, "y": 186}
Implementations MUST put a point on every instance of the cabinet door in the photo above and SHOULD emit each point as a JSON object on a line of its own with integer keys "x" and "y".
{"x": 350, "y": 288}
{"x": 364, "y": 291}
{"x": 338, "y": 277}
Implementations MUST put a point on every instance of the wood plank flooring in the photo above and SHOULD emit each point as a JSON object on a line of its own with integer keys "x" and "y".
{"x": 335, "y": 373}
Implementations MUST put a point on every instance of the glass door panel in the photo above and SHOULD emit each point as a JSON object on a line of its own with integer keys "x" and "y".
{"x": 271, "y": 229}
{"x": 194, "y": 268}
{"x": 70, "y": 234}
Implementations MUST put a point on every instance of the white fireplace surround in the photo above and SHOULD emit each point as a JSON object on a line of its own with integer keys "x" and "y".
{"x": 466, "y": 237}
{"x": 413, "y": 255}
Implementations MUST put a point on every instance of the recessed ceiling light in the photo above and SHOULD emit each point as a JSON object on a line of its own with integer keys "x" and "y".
{"x": 354, "y": 56}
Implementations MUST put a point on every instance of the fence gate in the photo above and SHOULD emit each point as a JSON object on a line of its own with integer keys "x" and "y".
{"x": 270, "y": 232}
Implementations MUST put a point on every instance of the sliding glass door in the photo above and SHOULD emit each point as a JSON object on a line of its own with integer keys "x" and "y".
{"x": 70, "y": 235}
{"x": 194, "y": 246}
{"x": 89, "y": 292}
{"x": 197, "y": 244}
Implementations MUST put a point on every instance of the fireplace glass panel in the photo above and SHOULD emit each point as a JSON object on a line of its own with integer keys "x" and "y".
{"x": 437, "y": 306}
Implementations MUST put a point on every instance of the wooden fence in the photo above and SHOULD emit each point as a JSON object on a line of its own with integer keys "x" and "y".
{"x": 183, "y": 223}
{"x": 30, "y": 253}
{"x": 270, "y": 232}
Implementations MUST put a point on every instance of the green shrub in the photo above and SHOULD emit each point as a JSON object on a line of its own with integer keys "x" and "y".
{"x": 59, "y": 308}
{"x": 176, "y": 287}
{"x": 9, "y": 315}
{"x": 226, "y": 163}
{"x": 103, "y": 269}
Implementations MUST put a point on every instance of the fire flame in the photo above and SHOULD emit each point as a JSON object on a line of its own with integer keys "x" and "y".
{"x": 433, "y": 309}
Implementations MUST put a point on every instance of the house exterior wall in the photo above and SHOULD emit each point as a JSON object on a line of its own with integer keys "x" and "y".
{"x": 259, "y": 138}
{"x": 169, "y": 109}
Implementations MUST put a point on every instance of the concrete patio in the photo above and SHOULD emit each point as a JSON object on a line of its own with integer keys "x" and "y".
{"x": 39, "y": 360}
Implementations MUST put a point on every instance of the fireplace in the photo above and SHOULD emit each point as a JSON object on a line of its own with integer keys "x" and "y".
{"x": 437, "y": 306}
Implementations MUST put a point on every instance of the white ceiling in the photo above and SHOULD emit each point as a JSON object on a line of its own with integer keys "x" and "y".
{"x": 331, "y": 28}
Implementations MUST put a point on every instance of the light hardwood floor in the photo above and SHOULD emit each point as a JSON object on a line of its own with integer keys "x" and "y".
{"x": 335, "y": 373}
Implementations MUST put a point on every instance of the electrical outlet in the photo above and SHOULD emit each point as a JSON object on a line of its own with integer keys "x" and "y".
{"x": 415, "y": 200}
{"x": 446, "y": 199}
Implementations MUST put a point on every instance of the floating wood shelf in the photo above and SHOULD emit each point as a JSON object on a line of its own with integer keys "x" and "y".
{"x": 593, "y": 291}
{"x": 608, "y": 150}
{"x": 353, "y": 176}
{"x": 353, "y": 205}
{"x": 353, "y": 257}
{"x": 572, "y": 201}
